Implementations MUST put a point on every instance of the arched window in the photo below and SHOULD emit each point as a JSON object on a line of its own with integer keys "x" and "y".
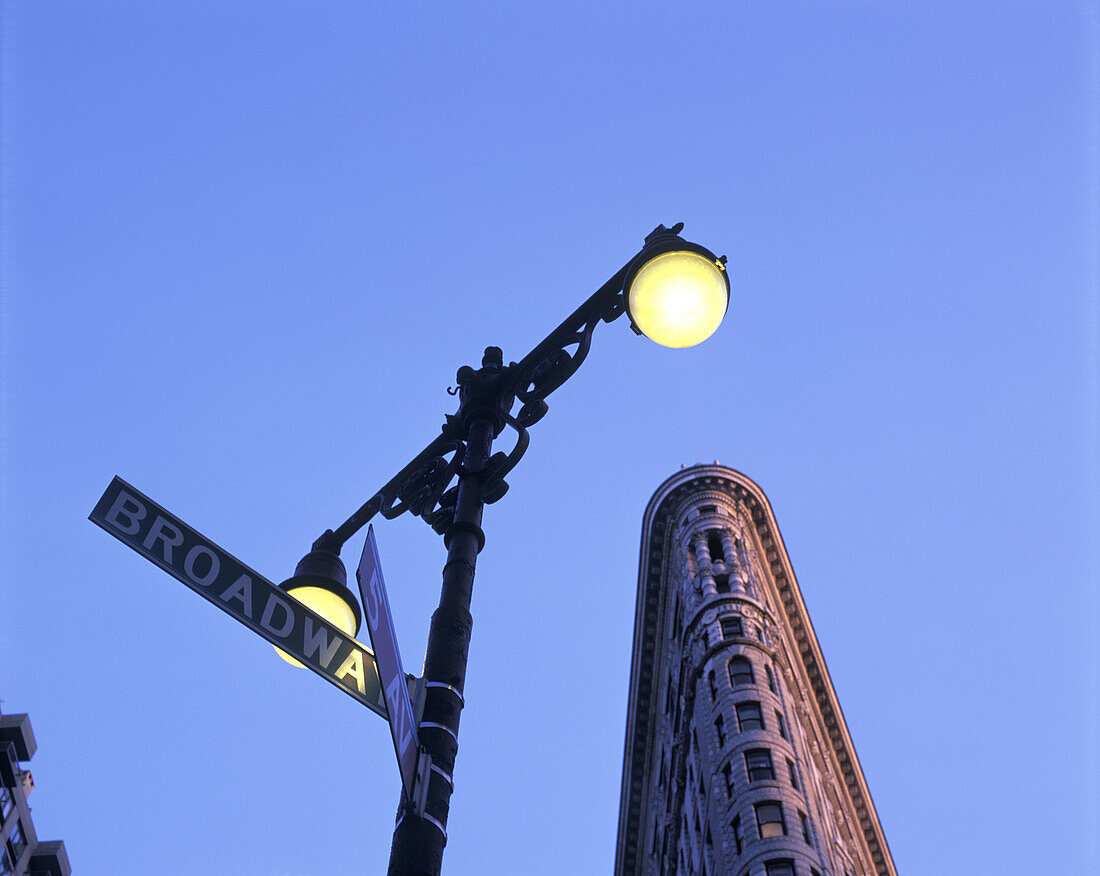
{"x": 741, "y": 671}
{"x": 779, "y": 867}
{"x": 771, "y": 678}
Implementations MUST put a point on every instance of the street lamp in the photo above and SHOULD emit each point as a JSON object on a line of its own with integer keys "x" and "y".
{"x": 676, "y": 292}
{"x": 320, "y": 582}
{"x": 673, "y": 291}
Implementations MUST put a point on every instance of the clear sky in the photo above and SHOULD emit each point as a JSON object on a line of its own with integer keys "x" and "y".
{"x": 247, "y": 245}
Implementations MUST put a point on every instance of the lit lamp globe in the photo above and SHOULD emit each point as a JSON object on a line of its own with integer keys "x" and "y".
{"x": 320, "y": 583}
{"x": 676, "y": 292}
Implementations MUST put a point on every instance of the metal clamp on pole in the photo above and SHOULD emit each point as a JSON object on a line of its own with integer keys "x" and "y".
{"x": 417, "y": 688}
{"x": 420, "y": 788}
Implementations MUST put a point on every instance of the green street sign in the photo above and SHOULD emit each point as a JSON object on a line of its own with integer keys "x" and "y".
{"x": 139, "y": 522}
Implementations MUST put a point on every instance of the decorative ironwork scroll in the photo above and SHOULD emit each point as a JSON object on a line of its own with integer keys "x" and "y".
{"x": 424, "y": 486}
{"x": 420, "y": 488}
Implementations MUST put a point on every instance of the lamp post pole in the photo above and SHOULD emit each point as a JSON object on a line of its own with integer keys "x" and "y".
{"x": 418, "y": 841}
{"x": 682, "y": 294}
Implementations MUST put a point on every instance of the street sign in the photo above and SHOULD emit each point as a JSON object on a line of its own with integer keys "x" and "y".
{"x": 395, "y": 689}
{"x": 139, "y": 522}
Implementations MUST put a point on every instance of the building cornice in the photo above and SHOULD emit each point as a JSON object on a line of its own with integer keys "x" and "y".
{"x": 657, "y": 525}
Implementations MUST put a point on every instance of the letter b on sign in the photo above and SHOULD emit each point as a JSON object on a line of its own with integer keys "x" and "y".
{"x": 126, "y": 514}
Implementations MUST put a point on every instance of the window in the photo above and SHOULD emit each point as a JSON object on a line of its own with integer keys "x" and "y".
{"x": 758, "y": 764}
{"x": 731, "y": 626}
{"x": 735, "y": 826}
{"x": 727, "y": 774}
{"x": 720, "y": 729}
{"x": 779, "y": 867}
{"x": 792, "y": 773}
{"x": 6, "y": 802}
{"x": 805, "y": 827}
{"x": 708, "y": 509}
{"x": 779, "y": 723}
{"x": 714, "y": 545}
{"x": 706, "y": 638}
{"x": 814, "y": 872}
{"x": 653, "y": 847}
{"x": 741, "y": 671}
{"x": 713, "y": 684}
{"x": 6, "y": 866}
{"x": 16, "y": 841}
{"x": 771, "y": 678}
{"x": 722, "y": 583}
{"x": 769, "y": 819}
{"x": 749, "y": 716}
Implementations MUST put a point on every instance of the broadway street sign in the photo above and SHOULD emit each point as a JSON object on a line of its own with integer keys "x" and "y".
{"x": 137, "y": 521}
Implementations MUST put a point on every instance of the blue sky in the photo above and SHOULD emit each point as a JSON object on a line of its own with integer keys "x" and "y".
{"x": 245, "y": 247}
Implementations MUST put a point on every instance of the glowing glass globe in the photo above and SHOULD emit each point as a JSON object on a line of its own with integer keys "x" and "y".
{"x": 678, "y": 298}
{"x": 327, "y": 604}
{"x": 320, "y": 584}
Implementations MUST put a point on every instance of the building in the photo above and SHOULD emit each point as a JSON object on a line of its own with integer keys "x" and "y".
{"x": 21, "y": 852}
{"x": 737, "y": 759}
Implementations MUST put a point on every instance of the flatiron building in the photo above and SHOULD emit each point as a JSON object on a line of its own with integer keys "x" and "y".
{"x": 737, "y": 759}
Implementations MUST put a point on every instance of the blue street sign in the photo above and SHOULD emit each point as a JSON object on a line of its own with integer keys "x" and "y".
{"x": 372, "y": 587}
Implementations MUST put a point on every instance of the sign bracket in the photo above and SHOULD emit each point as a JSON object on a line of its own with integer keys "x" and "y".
{"x": 420, "y": 786}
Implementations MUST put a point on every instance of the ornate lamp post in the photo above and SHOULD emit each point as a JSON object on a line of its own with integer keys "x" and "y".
{"x": 674, "y": 292}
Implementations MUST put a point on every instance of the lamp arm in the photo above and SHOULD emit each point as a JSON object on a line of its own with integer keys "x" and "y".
{"x": 418, "y": 488}
{"x": 423, "y": 486}
{"x": 550, "y": 363}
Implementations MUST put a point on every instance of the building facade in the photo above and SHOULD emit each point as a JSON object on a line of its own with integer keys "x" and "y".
{"x": 21, "y": 852}
{"x": 737, "y": 759}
